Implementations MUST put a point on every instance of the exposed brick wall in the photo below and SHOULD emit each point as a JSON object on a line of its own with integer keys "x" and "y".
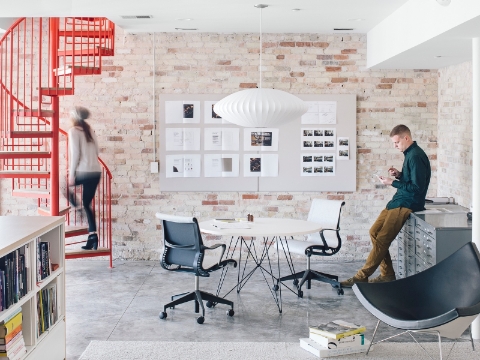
{"x": 455, "y": 132}
{"x": 121, "y": 103}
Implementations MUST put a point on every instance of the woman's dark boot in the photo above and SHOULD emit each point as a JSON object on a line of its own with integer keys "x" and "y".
{"x": 92, "y": 242}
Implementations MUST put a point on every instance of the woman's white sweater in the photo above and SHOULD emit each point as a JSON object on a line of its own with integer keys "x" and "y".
{"x": 83, "y": 155}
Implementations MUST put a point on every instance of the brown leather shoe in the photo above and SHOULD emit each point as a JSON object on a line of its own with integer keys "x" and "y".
{"x": 353, "y": 280}
{"x": 380, "y": 279}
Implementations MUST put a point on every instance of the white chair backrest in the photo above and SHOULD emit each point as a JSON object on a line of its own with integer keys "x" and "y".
{"x": 174, "y": 218}
{"x": 325, "y": 213}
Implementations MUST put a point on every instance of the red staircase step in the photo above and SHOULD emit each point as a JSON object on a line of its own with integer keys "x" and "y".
{"x": 30, "y": 134}
{"x": 12, "y": 174}
{"x": 55, "y": 91}
{"x": 46, "y": 210}
{"x": 71, "y": 231}
{"x": 78, "y": 253}
{"x": 24, "y": 154}
{"x": 32, "y": 113}
{"x": 32, "y": 193}
{"x": 97, "y": 50}
{"x": 77, "y": 70}
{"x": 92, "y": 34}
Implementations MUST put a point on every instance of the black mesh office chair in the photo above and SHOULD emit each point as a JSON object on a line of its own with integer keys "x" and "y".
{"x": 442, "y": 300}
{"x": 325, "y": 243}
{"x": 184, "y": 251}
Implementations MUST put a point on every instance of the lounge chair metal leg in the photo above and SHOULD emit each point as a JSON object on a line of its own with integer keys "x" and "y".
{"x": 440, "y": 344}
{"x": 471, "y": 338}
{"x": 373, "y": 337}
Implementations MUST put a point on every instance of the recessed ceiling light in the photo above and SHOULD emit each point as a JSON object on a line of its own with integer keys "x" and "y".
{"x": 359, "y": 19}
{"x": 130, "y": 17}
{"x": 185, "y": 29}
{"x": 296, "y": 9}
{"x": 437, "y": 56}
{"x": 184, "y": 19}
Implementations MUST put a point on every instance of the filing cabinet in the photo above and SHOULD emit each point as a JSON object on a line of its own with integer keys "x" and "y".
{"x": 429, "y": 237}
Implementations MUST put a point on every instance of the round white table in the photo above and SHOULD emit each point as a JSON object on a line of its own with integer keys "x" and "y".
{"x": 271, "y": 231}
{"x": 265, "y": 227}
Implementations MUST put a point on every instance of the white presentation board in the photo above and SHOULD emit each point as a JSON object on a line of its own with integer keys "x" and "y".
{"x": 201, "y": 152}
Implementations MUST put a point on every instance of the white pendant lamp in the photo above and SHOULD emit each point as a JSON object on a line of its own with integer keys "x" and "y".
{"x": 260, "y": 107}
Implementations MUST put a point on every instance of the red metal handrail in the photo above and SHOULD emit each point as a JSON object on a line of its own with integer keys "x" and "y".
{"x": 38, "y": 62}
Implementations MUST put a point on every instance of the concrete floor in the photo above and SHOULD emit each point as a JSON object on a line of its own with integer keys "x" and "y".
{"x": 123, "y": 303}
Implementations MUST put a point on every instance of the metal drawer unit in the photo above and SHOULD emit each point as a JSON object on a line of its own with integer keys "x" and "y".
{"x": 406, "y": 252}
{"x": 428, "y": 238}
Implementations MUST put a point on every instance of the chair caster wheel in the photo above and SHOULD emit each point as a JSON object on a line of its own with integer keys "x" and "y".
{"x": 340, "y": 292}
{"x": 200, "y": 320}
{"x": 210, "y": 304}
{"x": 162, "y": 315}
{"x": 230, "y": 312}
{"x": 300, "y": 293}
{"x": 295, "y": 282}
{"x": 275, "y": 288}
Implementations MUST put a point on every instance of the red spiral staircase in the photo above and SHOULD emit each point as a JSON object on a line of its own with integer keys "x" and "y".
{"x": 39, "y": 60}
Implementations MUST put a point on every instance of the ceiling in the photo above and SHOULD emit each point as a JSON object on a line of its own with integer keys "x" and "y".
{"x": 221, "y": 16}
{"x": 240, "y": 16}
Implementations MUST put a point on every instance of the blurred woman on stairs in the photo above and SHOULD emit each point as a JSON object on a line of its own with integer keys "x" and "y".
{"x": 84, "y": 168}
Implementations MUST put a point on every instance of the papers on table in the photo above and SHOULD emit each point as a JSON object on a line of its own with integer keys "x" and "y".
{"x": 231, "y": 225}
{"x": 433, "y": 211}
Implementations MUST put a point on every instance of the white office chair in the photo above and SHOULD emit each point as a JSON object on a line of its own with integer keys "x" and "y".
{"x": 325, "y": 243}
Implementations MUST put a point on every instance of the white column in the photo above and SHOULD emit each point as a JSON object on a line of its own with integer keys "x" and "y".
{"x": 476, "y": 157}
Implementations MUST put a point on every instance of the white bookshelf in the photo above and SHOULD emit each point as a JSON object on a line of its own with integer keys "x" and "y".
{"x": 17, "y": 231}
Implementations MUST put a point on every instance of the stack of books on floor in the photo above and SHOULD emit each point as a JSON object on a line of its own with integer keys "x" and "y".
{"x": 335, "y": 338}
{"x": 12, "y": 345}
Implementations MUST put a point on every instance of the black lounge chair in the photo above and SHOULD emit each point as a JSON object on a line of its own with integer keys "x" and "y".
{"x": 442, "y": 300}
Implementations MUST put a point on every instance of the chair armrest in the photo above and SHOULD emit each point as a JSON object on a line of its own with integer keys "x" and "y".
{"x": 214, "y": 246}
{"x": 323, "y": 239}
{"x": 223, "y": 246}
{"x": 330, "y": 230}
{"x": 179, "y": 246}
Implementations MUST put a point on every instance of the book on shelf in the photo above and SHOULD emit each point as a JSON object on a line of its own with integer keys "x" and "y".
{"x": 337, "y": 329}
{"x": 11, "y": 343}
{"x": 13, "y": 277}
{"x": 44, "y": 264}
{"x": 8, "y": 327}
{"x": 12, "y": 315}
{"x": 355, "y": 340}
{"x": 11, "y": 336}
{"x": 47, "y": 313}
{"x": 323, "y": 352}
{"x": 17, "y": 351}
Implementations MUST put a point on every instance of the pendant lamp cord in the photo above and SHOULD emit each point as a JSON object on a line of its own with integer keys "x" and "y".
{"x": 261, "y": 48}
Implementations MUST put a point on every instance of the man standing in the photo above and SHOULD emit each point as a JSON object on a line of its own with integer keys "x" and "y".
{"x": 412, "y": 185}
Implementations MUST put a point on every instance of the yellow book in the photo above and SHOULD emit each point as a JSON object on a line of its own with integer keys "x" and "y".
{"x": 337, "y": 329}
{"x": 10, "y": 325}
